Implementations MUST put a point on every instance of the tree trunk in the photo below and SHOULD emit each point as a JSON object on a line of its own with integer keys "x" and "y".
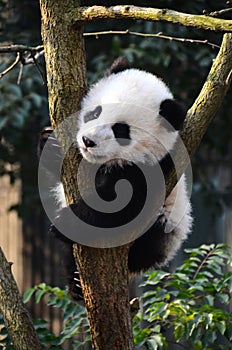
{"x": 104, "y": 277}
{"x": 104, "y": 272}
{"x": 16, "y": 316}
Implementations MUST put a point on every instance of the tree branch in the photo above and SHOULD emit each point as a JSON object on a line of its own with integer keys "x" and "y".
{"x": 210, "y": 98}
{"x": 20, "y": 48}
{"x": 15, "y": 315}
{"x": 205, "y": 107}
{"x": 14, "y": 64}
{"x": 86, "y": 14}
{"x": 32, "y": 58}
{"x": 155, "y": 35}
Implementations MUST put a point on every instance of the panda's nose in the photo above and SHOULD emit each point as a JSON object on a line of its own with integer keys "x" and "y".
{"x": 88, "y": 142}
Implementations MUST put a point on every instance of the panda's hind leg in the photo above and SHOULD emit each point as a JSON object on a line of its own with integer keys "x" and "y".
{"x": 161, "y": 241}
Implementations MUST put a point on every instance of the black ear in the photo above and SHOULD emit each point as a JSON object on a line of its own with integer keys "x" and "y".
{"x": 173, "y": 112}
{"x": 119, "y": 65}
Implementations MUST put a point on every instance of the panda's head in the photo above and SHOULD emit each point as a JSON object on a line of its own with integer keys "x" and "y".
{"x": 130, "y": 115}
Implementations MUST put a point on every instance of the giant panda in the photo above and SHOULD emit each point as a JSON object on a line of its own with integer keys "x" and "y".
{"x": 115, "y": 133}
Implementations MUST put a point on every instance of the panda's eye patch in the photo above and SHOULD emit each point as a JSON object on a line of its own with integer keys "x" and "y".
{"x": 122, "y": 133}
{"x": 93, "y": 114}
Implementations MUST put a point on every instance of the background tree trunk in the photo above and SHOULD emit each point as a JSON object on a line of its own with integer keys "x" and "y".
{"x": 16, "y": 316}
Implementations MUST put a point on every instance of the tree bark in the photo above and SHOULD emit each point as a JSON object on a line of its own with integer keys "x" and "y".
{"x": 85, "y": 14}
{"x": 15, "y": 315}
{"x": 66, "y": 76}
{"x": 104, "y": 277}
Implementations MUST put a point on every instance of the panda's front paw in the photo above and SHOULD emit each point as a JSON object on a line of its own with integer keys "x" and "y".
{"x": 75, "y": 289}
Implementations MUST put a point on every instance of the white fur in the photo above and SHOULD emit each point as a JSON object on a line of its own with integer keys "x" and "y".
{"x": 177, "y": 211}
{"x": 59, "y": 195}
{"x": 133, "y": 96}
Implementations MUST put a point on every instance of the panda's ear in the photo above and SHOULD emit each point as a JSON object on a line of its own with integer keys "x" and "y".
{"x": 173, "y": 112}
{"x": 119, "y": 65}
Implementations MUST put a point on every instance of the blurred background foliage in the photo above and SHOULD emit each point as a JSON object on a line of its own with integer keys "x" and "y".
{"x": 184, "y": 66}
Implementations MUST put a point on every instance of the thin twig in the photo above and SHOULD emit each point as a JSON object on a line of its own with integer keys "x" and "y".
{"x": 38, "y": 68}
{"x": 157, "y": 35}
{"x": 14, "y": 64}
{"x": 33, "y": 56}
{"x": 36, "y": 52}
{"x": 20, "y": 73}
{"x": 20, "y": 48}
{"x": 203, "y": 262}
{"x": 219, "y": 13}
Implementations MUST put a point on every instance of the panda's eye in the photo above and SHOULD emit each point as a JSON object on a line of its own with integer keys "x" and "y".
{"x": 93, "y": 114}
{"x": 122, "y": 133}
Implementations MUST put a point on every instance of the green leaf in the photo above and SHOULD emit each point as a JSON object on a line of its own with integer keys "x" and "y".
{"x": 208, "y": 338}
{"x": 140, "y": 338}
{"x": 209, "y": 299}
{"x": 35, "y": 99}
{"x": 28, "y": 294}
{"x": 156, "y": 342}
{"x": 39, "y": 323}
{"x": 179, "y": 331}
{"x": 38, "y": 295}
{"x": 44, "y": 286}
{"x": 221, "y": 326}
{"x": 223, "y": 298}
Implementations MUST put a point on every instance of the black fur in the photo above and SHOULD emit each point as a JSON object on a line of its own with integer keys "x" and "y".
{"x": 93, "y": 114}
{"x": 173, "y": 112}
{"x": 147, "y": 251}
{"x": 43, "y": 136}
{"x": 119, "y": 65}
{"x": 122, "y": 133}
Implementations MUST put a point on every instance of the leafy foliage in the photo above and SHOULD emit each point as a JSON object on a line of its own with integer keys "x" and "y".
{"x": 189, "y": 306}
{"x": 75, "y": 322}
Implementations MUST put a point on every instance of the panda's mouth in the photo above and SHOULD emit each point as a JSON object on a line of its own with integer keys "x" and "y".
{"x": 92, "y": 157}
{"x": 102, "y": 159}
